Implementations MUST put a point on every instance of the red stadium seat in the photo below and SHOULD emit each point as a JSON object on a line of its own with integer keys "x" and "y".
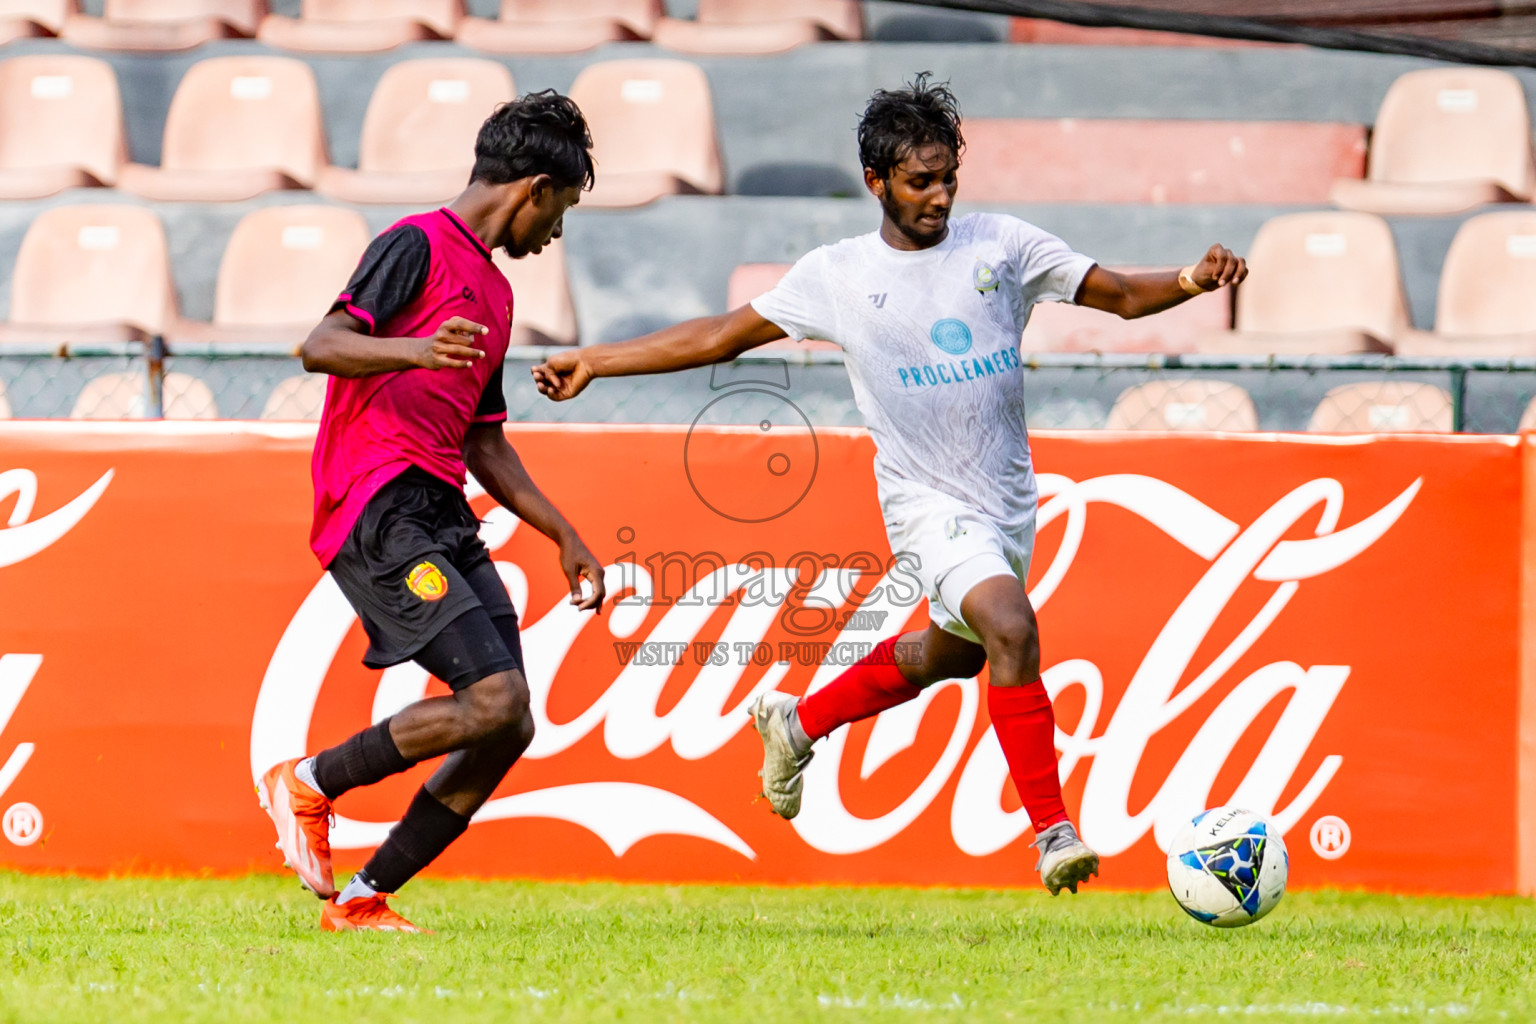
{"x": 1384, "y": 406}
{"x": 1111, "y": 161}
{"x": 1484, "y": 307}
{"x": 29, "y": 19}
{"x": 418, "y": 139}
{"x": 63, "y": 123}
{"x": 1042, "y": 31}
{"x": 91, "y": 273}
{"x": 1183, "y": 405}
{"x": 362, "y": 26}
{"x": 237, "y": 127}
{"x": 1061, "y": 327}
{"x": 1447, "y": 140}
{"x": 281, "y": 270}
{"x": 543, "y": 312}
{"x": 164, "y": 24}
{"x": 1318, "y": 283}
{"x": 760, "y": 26}
{"x": 558, "y": 26}
{"x": 653, "y": 122}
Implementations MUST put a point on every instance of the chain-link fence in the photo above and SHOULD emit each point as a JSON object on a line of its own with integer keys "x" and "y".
{"x": 1169, "y": 392}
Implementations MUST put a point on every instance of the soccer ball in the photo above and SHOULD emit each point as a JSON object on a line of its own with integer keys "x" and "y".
{"x": 1227, "y": 867}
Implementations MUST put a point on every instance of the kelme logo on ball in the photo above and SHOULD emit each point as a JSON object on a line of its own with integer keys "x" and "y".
{"x": 951, "y": 336}
{"x": 427, "y": 582}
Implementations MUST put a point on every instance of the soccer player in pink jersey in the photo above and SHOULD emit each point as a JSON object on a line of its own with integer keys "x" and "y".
{"x": 929, "y": 314}
{"x": 414, "y": 347}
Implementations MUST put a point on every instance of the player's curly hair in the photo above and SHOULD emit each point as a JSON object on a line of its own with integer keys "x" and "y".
{"x": 897, "y": 121}
{"x": 541, "y": 133}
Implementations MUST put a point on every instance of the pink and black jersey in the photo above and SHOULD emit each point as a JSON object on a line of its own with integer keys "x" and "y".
{"x": 420, "y": 272}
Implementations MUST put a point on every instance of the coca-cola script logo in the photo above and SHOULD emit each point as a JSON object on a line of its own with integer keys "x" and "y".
{"x": 22, "y": 538}
{"x": 1106, "y": 743}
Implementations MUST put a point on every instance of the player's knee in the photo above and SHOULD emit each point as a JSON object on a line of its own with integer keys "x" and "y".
{"x": 521, "y": 733}
{"x": 499, "y": 707}
{"x": 1013, "y": 653}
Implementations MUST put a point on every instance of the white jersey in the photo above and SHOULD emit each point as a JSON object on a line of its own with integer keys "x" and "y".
{"x": 931, "y": 342}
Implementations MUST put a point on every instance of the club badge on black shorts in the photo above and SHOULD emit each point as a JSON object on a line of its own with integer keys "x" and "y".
{"x": 427, "y": 582}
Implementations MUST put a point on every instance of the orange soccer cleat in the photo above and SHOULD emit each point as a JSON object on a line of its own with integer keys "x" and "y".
{"x": 364, "y": 914}
{"x": 302, "y": 815}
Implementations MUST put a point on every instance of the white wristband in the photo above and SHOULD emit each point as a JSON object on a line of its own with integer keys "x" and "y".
{"x": 1187, "y": 281}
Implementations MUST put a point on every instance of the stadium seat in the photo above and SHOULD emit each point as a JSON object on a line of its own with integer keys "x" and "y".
{"x": 1167, "y": 161}
{"x": 280, "y": 272}
{"x": 1183, "y": 405}
{"x": 362, "y": 26}
{"x": 653, "y": 123}
{"x": 760, "y": 26}
{"x": 558, "y": 26}
{"x": 750, "y": 280}
{"x": 163, "y": 24}
{"x": 91, "y": 273}
{"x": 124, "y": 396}
{"x": 543, "y": 312}
{"x": 1062, "y": 327}
{"x": 237, "y": 127}
{"x": 29, "y": 19}
{"x": 1318, "y": 283}
{"x": 63, "y": 125}
{"x": 1384, "y": 406}
{"x": 296, "y": 398}
{"x": 418, "y": 138}
{"x": 1446, "y": 140}
{"x": 1044, "y": 32}
{"x": 1485, "y": 308}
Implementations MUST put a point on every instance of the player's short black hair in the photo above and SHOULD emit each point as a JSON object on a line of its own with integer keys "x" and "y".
{"x": 897, "y": 121}
{"x": 541, "y": 133}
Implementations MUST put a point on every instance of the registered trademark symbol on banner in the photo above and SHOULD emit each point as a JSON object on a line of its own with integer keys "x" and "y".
{"x": 1330, "y": 837}
{"x": 23, "y": 824}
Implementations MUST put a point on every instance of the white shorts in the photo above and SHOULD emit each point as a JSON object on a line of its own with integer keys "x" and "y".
{"x": 957, "y": 547}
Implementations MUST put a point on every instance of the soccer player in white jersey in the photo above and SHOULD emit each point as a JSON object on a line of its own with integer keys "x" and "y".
{"x": 928, "y": 311}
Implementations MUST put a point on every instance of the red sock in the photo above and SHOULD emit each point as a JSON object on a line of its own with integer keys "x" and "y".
{"x": 871, "y": 685}
{"x": 1026, "y": 730}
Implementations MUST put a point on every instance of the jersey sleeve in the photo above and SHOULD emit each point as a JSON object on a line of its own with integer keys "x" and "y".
{"x": 391, "y": 273}
{"x": 801, "y": 303}
{"x": 1048, "y": 269}
{"x": 493, "y": 400}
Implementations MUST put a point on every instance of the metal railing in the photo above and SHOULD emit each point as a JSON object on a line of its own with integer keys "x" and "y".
{"x": 1063, "y": 390}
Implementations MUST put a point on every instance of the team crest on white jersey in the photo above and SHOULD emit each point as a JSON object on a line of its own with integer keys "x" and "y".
{"x": 984, "y": 277}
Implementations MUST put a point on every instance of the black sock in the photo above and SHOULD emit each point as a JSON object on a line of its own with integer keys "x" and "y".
{"x": 364, "y": 759}
{"x": 426, "y": 831}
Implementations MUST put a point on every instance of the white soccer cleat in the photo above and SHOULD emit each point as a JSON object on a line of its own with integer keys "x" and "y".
{"x": 783, "y": 771}
{"x": 1065, "y": 860}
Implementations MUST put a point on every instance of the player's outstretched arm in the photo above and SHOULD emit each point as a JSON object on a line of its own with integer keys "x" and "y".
{"x": 494, "y": 461}
{"x": 710, "y": 339}
{"x": 1134, "y": 295}
{"x": 340, "y": 347}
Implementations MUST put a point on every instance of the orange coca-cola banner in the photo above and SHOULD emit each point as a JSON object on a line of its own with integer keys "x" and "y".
{"x": 1325, "y": 630}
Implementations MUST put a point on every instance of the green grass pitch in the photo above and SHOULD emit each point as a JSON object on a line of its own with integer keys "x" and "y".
{"x": 250, "y": 950}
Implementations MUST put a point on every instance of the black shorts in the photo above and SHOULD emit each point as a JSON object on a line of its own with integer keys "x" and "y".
{"x": 419, "y": 577}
